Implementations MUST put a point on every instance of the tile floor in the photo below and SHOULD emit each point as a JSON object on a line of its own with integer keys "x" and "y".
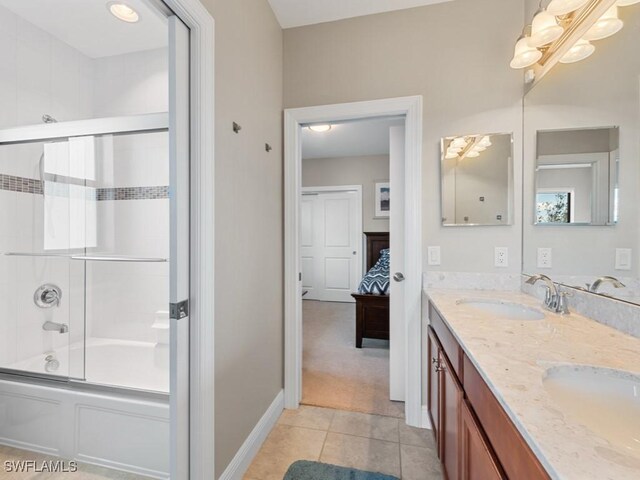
{"x": 85, "y": 472}
{"x": 358, "y": 440}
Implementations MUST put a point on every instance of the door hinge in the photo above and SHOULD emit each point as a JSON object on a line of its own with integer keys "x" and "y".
{"x": 299, "y": 276}
{"x": 180, "y": 310}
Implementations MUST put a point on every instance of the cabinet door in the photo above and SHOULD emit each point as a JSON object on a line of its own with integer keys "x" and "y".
{"x": 451, "y": 395}
{"x": 433, "y": 400}
{"x": 478, "y": 461}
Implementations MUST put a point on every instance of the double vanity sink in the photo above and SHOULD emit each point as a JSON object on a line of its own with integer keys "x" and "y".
{"x": 570, "y": 385}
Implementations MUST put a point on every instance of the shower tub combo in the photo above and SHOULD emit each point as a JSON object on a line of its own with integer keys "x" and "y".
{"x": 84, "y": 273}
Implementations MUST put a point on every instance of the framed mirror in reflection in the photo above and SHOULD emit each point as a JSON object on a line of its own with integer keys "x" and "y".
{"x": 477, "y": 180}
{"x": 576, "y": 177}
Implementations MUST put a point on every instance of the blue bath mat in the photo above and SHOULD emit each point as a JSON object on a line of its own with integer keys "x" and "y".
{"x": 305, "y": 470}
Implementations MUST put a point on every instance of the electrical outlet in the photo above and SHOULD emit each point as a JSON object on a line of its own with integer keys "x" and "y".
{"x": 545, "y": 258}
{"x": 433, "y": 255}
{"x": 623, "y": 259}
{"x": 501, "y": 257}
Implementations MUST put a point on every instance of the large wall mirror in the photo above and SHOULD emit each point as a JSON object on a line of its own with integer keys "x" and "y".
{"x": 581, "y": 142}
{"x": 477, "y": 180}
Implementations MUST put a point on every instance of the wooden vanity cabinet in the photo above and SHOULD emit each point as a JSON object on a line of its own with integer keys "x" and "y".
{"x": 475, "y": 438}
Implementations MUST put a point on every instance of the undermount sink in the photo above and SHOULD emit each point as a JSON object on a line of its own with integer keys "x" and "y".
{"x": 502, "y": 309}
{"x": 606, "y": 401}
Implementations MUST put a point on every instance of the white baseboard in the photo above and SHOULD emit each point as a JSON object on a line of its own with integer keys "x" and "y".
{"x": 426, "y": 421}
{"x": 250, "y": 447}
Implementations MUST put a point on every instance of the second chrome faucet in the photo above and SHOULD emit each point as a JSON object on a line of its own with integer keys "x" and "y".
{"x": 555, "y": 299}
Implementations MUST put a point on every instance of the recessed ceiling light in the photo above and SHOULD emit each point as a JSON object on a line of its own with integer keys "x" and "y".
{"x": 123, "y": 12}
{"x": 320, "y": 128}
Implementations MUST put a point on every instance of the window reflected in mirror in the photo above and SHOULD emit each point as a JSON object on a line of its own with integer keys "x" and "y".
{"x": 477, "y": 180}
{"x": 577, "y": 177}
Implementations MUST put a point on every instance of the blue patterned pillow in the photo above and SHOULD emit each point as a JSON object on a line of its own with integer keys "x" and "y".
{"x": 376, "y": 281}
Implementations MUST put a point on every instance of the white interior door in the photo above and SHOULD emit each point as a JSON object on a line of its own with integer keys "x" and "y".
{"x": 331, "y": 232}
{"x": 179, "y": 140}
{"x": 397, "y": 333}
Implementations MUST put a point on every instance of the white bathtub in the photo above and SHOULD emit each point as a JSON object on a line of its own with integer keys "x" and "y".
{"x": 118, "y": 429}
{"x": 119, "y": 363}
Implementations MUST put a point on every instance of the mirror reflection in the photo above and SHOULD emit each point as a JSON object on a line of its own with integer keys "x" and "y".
{"x": 577, "y": 177}
{"x": 477, "y": 180}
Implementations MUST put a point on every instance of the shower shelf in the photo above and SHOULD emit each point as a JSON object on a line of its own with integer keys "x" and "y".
{"x": 90, "y": 258}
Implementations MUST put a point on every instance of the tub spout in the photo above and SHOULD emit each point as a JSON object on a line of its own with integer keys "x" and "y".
{"x": 55, "y": 327}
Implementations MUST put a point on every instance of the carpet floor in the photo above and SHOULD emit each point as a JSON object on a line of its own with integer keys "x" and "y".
{"x": 336, "y": 374}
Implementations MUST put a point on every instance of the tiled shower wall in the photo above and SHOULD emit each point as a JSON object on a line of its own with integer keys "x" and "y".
{"x": 38, "y": 75}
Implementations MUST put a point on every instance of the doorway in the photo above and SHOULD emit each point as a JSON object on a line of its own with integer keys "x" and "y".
{"x": 407, "y": 347}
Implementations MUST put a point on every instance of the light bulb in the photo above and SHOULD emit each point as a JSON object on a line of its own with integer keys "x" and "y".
{"x": 524, "y": 55}
{"x": 609, "y": 24}
{"x": 581, "y": 50}
{"x": 562, "y": 7}
{"x": 544, "y": 29}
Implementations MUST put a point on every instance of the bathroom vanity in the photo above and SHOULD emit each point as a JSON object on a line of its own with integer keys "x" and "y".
{"x": 496, "y": 397}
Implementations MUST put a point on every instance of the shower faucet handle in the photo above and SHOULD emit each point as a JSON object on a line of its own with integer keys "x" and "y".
{"x": 47, "y": 296}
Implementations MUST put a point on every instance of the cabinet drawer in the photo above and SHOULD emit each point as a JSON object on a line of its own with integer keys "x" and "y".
{"x": 515, "y": 456}
{"x": 447, "y": 340}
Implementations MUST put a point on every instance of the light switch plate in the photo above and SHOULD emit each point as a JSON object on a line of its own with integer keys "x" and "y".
{"x": 501, "y": 255}
{"x": 433, "y": 254}
{"x": 545, "y": 258}
{"x": 623, "y": 258}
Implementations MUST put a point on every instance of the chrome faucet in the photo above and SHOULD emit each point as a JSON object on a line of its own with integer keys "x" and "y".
{"x": 554, "y": 299}
{"x": 55, "y": 327}
{"x": 593, "y": 288}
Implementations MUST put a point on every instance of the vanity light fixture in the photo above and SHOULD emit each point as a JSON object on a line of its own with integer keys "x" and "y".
{"x": 563, "y": 7}
{"x": 563, "y": 32}
{"x": 544, "y": 29}
{"x": 525, "y": 55}
{"x": 123, "y": 12}
{"x": 320, "y": 128}
{"x": 609, "y": 24}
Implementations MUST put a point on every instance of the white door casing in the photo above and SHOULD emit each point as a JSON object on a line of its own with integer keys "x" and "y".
{"x": 396, "y": 300}
{"x": 411, "y": 108}
{"x": 331, "y": 221}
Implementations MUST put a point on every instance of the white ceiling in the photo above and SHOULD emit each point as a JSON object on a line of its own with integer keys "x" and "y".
{"x": 351, "y": 139}
{"x": 88, "y": 26}
{"x": 295, "y": 13}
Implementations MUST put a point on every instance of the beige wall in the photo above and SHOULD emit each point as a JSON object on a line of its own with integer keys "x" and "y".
{"x": 365, "y": 171}
{"x": 457, "y": 56}
{"x": 249, "y": 219}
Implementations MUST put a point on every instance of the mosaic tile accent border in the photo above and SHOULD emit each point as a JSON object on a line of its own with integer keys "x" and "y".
{"x": 30, "y": 185}
{"x": 133, "y": 193}
{"x": 20, "y": 184}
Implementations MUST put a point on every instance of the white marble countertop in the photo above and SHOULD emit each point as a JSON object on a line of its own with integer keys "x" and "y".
{"x": 513, "y": 356}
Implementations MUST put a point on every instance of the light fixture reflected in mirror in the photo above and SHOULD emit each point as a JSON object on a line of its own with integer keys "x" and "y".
{"x": 609, "y": 24}
{"x": 581, "y": 50}
{"x": 544, "y": 29}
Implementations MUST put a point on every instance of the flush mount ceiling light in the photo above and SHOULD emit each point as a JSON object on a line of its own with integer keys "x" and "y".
{"x": 123, "y": 12}
{"x": 320, "y": 128}
{"x": 472, "y": 154}
{"x": 609, "y": 24}
{"x": 563, "y": 7}
{"x": 525, "y": 55}
{"x": 581, "y": 50}
{"x": 544, "y": 29}
{"x": 485, "y": 142}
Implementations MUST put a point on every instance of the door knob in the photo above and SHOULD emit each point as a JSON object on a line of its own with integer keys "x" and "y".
{"x": 398, "y": 277}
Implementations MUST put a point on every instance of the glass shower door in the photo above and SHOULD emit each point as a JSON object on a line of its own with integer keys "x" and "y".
{"x": 43, "y": 222}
